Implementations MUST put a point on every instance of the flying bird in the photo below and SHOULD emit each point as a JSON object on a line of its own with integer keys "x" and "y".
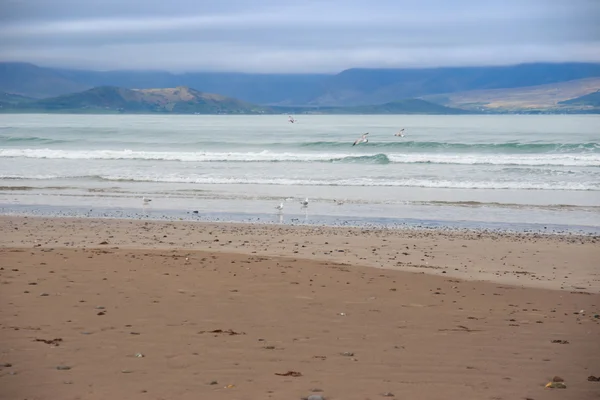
{"x": 362, "y": 139}
{"x": 400, "y": 133}
{"x": 291, "y": 119}
{"x": 280, "y": 207}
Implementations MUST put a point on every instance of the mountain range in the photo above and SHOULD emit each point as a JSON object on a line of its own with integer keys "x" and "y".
{"x": 516, "y": 88}
{"x": 185, "y": 100}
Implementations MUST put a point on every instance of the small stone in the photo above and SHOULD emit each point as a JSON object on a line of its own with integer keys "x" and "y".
{"x": 348, "y": 354}
{"x": 6, "y": 365}
{"x": 388, "y": 394}
{"x": 44, "y": 294}
{"x": 556, "y": 385}
{"x": 126, "y": 371}
{"x": 214, "y": 383}
{"x": 315, "y": 397}
{"x": 63, "y": 368}
{"x": 139, "y": 355}
{"x": 557, "y": 379}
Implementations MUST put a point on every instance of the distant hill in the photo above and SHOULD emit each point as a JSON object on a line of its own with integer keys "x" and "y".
{"x": 352, "y": 87}
{"x": 183, "y": 100}
{"x": 180, "y": 100}
{"x": 376, "y": 86}
{"x": 591, "y": 99}
{"x": 407, "y": 106}
{"x": 550, "y": 96}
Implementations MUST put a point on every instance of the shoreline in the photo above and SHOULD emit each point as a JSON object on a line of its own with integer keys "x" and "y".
{"x": 203, "y": 214}
{"x": 522, "y": 259}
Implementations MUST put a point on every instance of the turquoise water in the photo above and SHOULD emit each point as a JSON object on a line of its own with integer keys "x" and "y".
{"x": 503, "y": 169}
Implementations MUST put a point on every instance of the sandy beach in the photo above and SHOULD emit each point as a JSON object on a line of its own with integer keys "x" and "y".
{"x": 100, "y": 308}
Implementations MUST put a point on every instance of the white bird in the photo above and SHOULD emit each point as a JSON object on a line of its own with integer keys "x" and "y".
{"x": 291, "y": 119}
{"x": 362, "y": 139}
{"x": 146, "y": 201}
{"x": 339, "y": 202}
{"x": 400, "y": 133}
{"x": 279, "y": 207}
{"x": 304, "y": 202}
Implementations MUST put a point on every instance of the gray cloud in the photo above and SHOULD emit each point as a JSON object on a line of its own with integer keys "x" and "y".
{"x": 286, "y": 36}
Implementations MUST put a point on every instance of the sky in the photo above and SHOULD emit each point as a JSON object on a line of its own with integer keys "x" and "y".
{"x": 300, "y": 36}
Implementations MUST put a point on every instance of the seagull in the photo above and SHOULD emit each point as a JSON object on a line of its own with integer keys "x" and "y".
{"x": 304, "y": 202}
{"x": 400, "y": 133}
{"x": 291, "y": 119}
{"x": 280, "y": 207}
{"x": 362, "y": 139}
{"x": 146, "y": 201}
{"x": 339, "y": 202}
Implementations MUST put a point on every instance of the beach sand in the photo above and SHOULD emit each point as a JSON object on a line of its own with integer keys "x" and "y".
{"x": 117, "y": 309}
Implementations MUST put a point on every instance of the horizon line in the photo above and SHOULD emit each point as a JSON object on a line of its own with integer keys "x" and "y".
{"x": 297, "y": 73}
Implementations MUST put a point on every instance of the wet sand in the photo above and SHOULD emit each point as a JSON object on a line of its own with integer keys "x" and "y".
{"x": 159, "y": 310}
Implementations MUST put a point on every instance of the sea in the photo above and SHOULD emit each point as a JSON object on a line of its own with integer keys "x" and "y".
{"x": 527, "y": 173}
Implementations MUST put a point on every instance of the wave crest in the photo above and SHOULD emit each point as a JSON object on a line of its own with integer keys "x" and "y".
{"x": 582, "y": 160}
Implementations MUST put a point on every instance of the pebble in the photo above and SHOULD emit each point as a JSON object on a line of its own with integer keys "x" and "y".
{"x": 556, "y": 385}
{"x": 348, "y": 354}
{"x": 388, "y": 394}
{"x": 44, "y": 294}
{"x": 63, "y": 368}
{"x": 315, "y": 397}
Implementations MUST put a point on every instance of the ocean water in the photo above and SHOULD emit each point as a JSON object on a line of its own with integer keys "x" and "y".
{"x": 508, "y": 170}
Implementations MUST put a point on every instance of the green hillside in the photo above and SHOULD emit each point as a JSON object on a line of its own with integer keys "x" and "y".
{"x": 179, "y": 100}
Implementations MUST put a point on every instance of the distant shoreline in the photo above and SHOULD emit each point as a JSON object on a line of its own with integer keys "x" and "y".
{"x": 466, "y": 112}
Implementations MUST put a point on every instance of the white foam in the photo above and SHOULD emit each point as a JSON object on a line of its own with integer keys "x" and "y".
{"x": 563, "y": 159}
{"x": 409, "y": 182}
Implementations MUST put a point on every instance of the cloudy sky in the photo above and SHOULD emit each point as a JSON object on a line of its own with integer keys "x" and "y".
{"x": 296, "y": 36}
